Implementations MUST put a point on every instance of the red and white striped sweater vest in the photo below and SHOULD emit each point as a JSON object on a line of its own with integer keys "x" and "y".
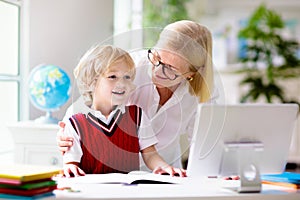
{"x": 112, "y": 148}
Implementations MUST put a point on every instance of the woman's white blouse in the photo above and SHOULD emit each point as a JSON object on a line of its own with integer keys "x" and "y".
{"x": 174, "y": 118}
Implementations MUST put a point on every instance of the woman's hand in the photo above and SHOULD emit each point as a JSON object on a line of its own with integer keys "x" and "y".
{"x": 64, "y": 142}
{"x": 172, "y": 171}
{"x": 72, "y": 170}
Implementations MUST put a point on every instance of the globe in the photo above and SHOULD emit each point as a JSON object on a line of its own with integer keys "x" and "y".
{"x": 49, "y": 89}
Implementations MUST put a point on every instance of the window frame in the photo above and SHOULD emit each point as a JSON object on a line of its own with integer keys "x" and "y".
{"x": 17, "y": 77}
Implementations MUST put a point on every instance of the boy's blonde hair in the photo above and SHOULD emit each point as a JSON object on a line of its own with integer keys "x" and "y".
{"x": 94, "y": 63}
{"x": 193, "y": 42}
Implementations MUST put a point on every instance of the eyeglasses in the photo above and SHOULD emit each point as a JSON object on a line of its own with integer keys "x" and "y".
{"x": 167, "y": 70}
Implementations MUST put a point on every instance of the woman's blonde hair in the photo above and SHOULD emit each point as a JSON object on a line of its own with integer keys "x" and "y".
{"x": 193, "y": 42}
{"x": 94, "y": 63}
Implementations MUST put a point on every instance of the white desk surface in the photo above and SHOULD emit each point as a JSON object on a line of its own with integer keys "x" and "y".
{"x": 205, "y": 189}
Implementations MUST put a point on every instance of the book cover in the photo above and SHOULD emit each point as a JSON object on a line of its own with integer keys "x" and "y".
{"x": 8, "y": 181}
{"x": 284, "y": 184}
{"x": 25, "y": 173}
{"x": 285, "y": 177}
{"x": 31, "y": 192}
{"x": 38, "y": 196}
{"x": 29, "y": 186}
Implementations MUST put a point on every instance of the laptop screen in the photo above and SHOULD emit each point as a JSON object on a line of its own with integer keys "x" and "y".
{"x": 228, "y": 136}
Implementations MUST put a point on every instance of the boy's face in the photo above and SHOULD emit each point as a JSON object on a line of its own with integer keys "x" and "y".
{"x": 113, "y": 87}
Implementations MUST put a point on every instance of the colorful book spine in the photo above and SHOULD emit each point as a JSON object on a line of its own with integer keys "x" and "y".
{"x": 286, "y": 179}
{"x": 283, "y": 184}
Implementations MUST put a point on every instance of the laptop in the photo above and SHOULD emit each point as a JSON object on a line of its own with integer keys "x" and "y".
{"x": 228, "y": 138}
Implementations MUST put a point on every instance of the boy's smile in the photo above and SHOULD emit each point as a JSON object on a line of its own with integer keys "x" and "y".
{"x": 118, "y": 93}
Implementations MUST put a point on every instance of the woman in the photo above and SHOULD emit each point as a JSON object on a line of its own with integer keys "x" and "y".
{"x": 180, "y": 77}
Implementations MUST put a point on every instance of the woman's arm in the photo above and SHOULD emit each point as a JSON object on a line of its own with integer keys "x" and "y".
{"x": 64, "y": 142}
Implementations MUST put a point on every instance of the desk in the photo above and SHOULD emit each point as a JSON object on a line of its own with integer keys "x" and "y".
{"x": 205, "y": 189}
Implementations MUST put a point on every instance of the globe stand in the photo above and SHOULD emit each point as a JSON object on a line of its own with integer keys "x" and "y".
{"x": 47, "y": 119}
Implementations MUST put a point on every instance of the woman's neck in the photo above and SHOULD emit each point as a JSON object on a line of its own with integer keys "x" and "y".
{"x": 165, "y": 93}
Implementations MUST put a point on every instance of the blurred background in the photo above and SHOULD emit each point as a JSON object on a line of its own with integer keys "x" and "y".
{"x": 249, "y": 65}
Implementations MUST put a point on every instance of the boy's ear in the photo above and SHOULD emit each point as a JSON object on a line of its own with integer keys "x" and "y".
{"x": 93, "y": 85}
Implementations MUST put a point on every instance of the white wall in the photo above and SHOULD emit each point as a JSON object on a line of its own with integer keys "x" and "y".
{"x": 60, "y": 31}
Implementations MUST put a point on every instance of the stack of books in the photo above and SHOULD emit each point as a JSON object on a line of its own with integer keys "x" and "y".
{"x": 27, "y": 181}
{"x": 286, "y": 179}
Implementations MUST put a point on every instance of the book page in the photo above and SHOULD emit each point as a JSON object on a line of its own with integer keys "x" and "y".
{"x": 118, "y": 178}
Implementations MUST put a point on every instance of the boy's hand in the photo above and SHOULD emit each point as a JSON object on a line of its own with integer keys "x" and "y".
{"x": 64, "y": 142}
{"x": 72, "y": 170}
{"x": 172, "y": 171}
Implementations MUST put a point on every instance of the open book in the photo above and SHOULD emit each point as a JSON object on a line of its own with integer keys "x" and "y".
{"x": 118, "y": 178}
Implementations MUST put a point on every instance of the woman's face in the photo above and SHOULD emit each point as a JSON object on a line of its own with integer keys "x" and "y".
{"x": 178, "y": 67}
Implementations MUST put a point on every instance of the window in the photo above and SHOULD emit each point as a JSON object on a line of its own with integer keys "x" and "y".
{"x": 128, "y": 32}
{"x": 9, "y": 67}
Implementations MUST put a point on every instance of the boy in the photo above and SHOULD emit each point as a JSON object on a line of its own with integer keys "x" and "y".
{"x": 106, "y": 140}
